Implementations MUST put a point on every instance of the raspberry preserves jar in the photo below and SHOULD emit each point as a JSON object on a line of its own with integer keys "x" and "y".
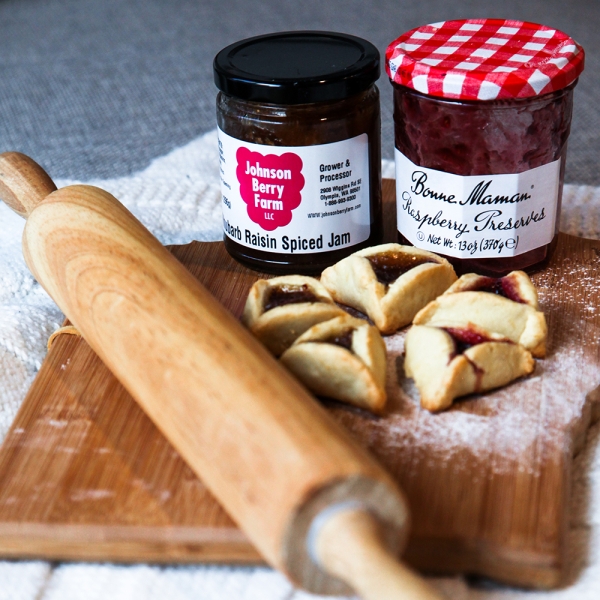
{"x": 482, "y": 113}
{"x": 300, "y": 149}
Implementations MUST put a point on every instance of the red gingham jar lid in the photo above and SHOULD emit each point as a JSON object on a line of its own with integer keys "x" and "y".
{"x": 484, "y": 59}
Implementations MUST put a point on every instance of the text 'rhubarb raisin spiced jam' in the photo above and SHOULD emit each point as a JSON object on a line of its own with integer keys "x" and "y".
{"x": 482, "y": 112}
{"x": 299, "y": 141}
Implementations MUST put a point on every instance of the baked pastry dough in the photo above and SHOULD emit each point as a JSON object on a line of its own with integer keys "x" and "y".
{"x": 492, "y": 314}
{"x": 278, "y": 310}
{"x": 448, "y": 363}
{"x": 343, "y": 359}
{"x": 389, "y": 283}
{"x": 515, "y": 286}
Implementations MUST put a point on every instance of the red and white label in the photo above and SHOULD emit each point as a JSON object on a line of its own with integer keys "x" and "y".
{"x": 295, "y": 200}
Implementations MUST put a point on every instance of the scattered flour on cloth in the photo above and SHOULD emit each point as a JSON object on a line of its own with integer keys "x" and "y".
{"x": 178, "y": 198}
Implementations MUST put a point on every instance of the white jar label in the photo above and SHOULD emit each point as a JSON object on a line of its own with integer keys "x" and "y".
{"x": 476, "y": 216}
{"x": 295, "y": 200}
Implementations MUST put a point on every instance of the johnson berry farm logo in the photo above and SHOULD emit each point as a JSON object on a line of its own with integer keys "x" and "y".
{"x": 270, "y": 186}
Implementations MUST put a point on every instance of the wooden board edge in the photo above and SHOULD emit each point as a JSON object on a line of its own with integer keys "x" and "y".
{"x": 522, "y": 569}
{"x": 124, "y": 544}
{"x": 590, "y": 412}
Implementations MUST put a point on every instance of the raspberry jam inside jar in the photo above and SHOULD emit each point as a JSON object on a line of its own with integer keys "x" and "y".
{"x": 300, "y": 149}
{"x": 482, "y": 113}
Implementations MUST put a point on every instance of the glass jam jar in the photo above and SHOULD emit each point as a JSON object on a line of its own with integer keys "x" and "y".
{"x": 300, "y": 149}
{"x": 482, "y": 114}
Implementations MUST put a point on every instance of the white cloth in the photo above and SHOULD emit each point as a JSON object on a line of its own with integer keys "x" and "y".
{"x": 178, "y": 198}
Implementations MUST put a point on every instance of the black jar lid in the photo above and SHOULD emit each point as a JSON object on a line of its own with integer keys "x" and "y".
{"x": 297, "y": 67}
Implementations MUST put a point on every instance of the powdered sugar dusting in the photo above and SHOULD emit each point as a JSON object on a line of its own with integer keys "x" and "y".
{"x": 507, "y": 423}
{"x": 519, "y": 428}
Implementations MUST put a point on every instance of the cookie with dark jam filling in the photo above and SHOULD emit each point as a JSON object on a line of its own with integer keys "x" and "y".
{"x": 343, "y": 359}
{"x": 389, "y": 283}
{"x": 279, "y": 310}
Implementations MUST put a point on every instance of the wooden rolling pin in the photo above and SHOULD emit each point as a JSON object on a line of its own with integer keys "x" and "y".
{"x": 316, "y": 505}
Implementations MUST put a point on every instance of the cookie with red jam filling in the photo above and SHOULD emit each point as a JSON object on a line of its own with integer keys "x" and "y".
{"x": 515, "y": 286}
{"x": 448, "y": 362}
{"x": 516, "y": 321}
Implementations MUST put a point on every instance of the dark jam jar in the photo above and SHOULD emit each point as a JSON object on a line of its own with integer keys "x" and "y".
{"x": 299, "y": 140}
{"x": 482, "y": 113}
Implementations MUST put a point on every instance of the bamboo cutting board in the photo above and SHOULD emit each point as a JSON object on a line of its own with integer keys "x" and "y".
{"x": 84, "y": 474}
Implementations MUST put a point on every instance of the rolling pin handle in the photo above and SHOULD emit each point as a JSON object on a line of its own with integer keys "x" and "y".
{"x": 347, "y": 543}
{"x": 23, "y": 183}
